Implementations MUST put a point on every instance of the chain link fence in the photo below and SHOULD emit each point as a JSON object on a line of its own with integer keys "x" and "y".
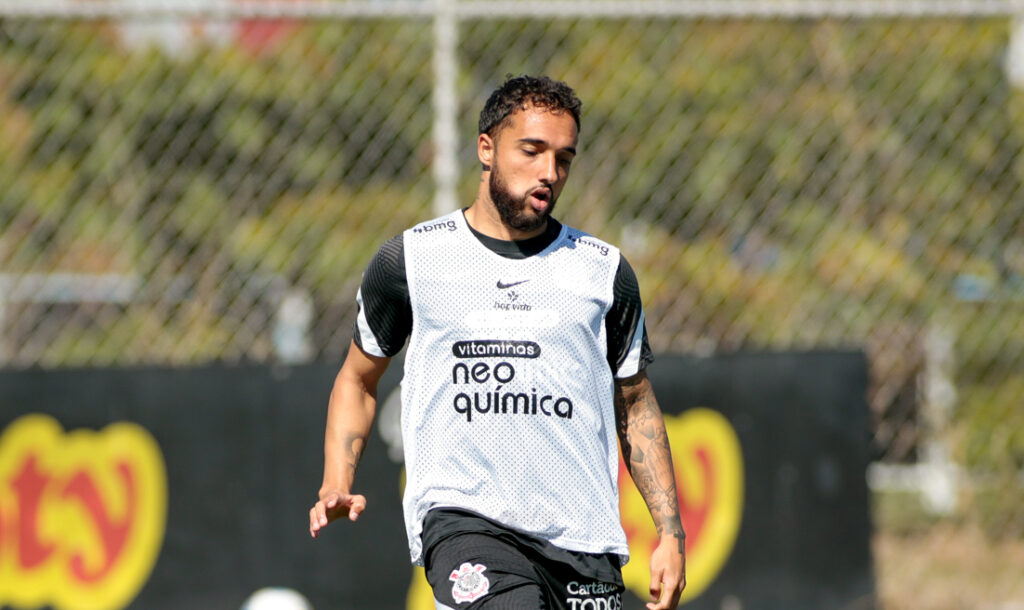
{"x": 183, "y": 184}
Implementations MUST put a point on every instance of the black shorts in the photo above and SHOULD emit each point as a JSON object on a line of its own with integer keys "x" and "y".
{"x": 475, "y": 571}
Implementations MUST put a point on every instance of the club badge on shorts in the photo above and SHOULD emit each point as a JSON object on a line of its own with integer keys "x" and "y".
{"x": 470, "y": 583}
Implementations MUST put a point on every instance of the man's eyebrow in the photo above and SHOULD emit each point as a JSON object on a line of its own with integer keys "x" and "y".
{"x": 539, "y": 142}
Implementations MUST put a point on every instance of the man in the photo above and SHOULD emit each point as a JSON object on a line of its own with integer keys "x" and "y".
{"x": 526, "y": 360}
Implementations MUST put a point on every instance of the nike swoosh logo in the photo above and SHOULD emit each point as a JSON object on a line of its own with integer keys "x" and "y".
{"x": 502, "y": 286}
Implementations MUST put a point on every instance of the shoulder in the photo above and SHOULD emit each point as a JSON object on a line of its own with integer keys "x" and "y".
{"x": 624, "y": 274}
{"x": 626, "y": 287}
{"x": 389, "y": 259}
{"x": 591, "y": 246}
{"x": 442, "y": 225}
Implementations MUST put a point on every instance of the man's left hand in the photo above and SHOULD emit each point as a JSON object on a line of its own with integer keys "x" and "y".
{"x": 668, "y": 573}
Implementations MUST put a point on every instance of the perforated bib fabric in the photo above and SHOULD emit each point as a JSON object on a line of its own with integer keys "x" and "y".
{"x": 507, "y": 393}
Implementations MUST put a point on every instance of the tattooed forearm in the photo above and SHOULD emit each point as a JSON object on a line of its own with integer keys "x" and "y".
{"x": 645, "y": 449}
{"x": 625, "y": 391}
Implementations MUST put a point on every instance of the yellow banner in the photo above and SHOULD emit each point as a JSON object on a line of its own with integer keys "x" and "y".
{"x": 82, "y": 514}
{"x": 709, "y": 481}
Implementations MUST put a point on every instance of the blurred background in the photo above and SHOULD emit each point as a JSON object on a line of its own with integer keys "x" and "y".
{"x": 184, "y": 183}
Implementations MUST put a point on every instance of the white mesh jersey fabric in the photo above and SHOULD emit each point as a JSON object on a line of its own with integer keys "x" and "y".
{"x": 507, "y": 396}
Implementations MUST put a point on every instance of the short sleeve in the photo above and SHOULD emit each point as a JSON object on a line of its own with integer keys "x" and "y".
{"x": 384, "y": 321}
{"x": 629, "y": 351}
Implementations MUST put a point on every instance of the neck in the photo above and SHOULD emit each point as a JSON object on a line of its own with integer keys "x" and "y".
{"x": 483, "y": 216}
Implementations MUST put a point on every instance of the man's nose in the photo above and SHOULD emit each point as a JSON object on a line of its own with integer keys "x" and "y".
{"x": 549, "y": 170}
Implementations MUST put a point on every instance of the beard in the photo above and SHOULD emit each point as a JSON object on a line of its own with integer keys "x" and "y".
{"x": 515, "y": 212}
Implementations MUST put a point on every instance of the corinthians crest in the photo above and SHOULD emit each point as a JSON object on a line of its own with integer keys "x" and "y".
{"x": 470, "y": 583}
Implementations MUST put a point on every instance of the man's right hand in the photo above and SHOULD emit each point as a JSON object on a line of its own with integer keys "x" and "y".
{"x": 334, "y": 505}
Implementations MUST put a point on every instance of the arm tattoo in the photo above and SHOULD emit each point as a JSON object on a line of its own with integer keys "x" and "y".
{"x": 645, "y": 449}
{"x": 353, "y": 446}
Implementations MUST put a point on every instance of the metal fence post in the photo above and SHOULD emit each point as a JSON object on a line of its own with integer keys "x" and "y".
{"x": 445, "y": 162}
{"x": 939, "y": 475}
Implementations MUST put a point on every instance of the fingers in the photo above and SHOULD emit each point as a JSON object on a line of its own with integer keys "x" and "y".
{"x": 667, "y": 584}
{"x": 314, "y": 521}
{"x": 672, "y": 592}
{"x": 666, "y": 593}
{"x": 357, "y": 504}
{"x": 655, "y": 587}
{"x": 318, "y": 516}
{"x": 333, "y": 506}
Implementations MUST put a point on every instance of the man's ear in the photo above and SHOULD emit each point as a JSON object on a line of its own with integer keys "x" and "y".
{"x": 485, "y": 150}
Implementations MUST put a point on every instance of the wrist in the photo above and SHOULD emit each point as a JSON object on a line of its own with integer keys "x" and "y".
{"x": 671, "y": 530}
{"x": 332, "y": 488}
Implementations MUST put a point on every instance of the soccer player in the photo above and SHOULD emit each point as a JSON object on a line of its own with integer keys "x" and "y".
{"x": 525, "y": 361}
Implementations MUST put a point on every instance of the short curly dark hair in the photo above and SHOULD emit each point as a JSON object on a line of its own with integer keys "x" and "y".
{"x": 520, "y": 92}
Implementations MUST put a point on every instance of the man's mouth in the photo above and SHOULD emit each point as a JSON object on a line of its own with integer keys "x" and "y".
{"x": 540, "y": 199}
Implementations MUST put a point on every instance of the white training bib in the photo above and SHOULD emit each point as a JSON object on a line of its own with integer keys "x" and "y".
{"x": 507, "y": 398}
